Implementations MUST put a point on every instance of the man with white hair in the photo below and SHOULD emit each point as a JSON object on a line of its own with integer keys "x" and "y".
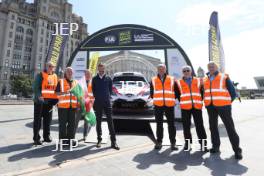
{"x": 191, "y": 103}
{"x": 44, "y": 98}
{"x": 219, "y": 93}
{"x": 67, "y": 107}
{"x": 163, "y": 92}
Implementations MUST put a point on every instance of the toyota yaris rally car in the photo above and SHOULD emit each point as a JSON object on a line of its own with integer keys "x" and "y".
{"x": 131, "y": 93}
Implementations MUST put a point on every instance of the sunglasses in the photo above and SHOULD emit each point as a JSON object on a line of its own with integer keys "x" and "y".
{"x": 51, "y": 66}
{"x": 184, "y": 71}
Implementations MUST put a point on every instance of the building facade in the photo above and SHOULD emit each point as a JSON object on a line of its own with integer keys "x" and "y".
{"x": 128, "y": 61}
{"x": 25, "y": 33}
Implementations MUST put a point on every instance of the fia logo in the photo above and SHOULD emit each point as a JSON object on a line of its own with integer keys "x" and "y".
{"x": 110, "y": 39}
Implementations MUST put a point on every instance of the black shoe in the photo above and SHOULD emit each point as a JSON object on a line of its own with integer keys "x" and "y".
{"x": 158, "y": 146}
{"x": 204, "y": 149}
{"x": 47, "y": 139}
{"x": 99, "y": 144}
{"x": 186, "y": 146}
{"x": 174, "y": 147}
{"x": 38, "y": 142}
{"x": 115, "y": 146}
{"x": 238, "y": 155}
{"x": 73, "y": 144}
{"x": 214, "y": 150}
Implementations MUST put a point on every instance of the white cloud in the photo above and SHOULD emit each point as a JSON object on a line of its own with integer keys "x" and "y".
{"x": 243, "y": 53}
{"x": 248, "y": 12}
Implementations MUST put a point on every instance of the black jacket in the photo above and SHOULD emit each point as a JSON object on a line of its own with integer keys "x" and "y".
{"x": 102, "y": 89}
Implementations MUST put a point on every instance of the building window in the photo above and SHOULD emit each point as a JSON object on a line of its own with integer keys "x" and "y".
{"x": 20, "y": 29}
{"x": 16, "y": 56}
{"x": 40, "y": 49}
{"x": 29, "y": 32}
{"x": 26, "y": 66}
{"x": 12, "y": 25}
{"x": 42, "y": 31}
{"x": 18, "y": 38}
{"x": 28, "y": 49}
{"x": 9, "y": 44}
{"x": 39, "y": 66}
{"x": 41, "y": 39}
{"x": 6, "y": 63}
{"x": 40, "y": 57}
{"x": 5, "y": 75}
{"x": 10, "y": 34}
{"x": 8, "y": 53}
{"x": 16, "y": 65}
{"x": 13, "y": 17}
{"x": 18, "y": 47}
{"x": 28, "y": 40}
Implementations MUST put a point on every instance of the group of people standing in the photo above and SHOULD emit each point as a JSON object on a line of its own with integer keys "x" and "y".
{"x": 50, "y": 91}
{"x": 215, "y": 91}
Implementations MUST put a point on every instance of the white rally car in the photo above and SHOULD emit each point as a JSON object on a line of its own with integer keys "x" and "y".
{"x": 131, "y": 93}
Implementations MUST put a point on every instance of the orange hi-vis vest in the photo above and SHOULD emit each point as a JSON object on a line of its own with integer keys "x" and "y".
{"x": 90, "y": 91}
{"x": 190, "y": 96}
{"x": 67, "y": 100}
{"x": 215, "y": 91}
{"x": 49, "y": 84}
{"x": 163, "y": 94}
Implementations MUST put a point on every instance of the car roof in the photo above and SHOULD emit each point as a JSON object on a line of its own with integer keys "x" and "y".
{"x": 128, "y": 74}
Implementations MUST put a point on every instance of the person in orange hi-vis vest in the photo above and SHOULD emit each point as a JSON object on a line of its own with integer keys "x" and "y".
{"x": 191, "y": 103}
{"x": 219, "y": 93}
{"x": 162, "y": 91}
{"x": 44, "y": 99}
{"x": 88, "y": 78}
{"x": 67, "y": 107}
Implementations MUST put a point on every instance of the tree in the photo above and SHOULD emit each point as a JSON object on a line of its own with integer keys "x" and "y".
{"x": 21, "y": 85}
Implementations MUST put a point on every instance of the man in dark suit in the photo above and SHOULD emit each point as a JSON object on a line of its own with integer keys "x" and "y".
{"x": 102, "y": 90}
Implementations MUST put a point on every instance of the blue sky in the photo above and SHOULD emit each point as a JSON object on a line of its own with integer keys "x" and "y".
{"x": 241, "y": 24}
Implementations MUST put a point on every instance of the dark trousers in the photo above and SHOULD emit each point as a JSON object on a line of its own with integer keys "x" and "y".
{"x": 42, "y": 111}
{"x": 169, "y": 113}
{"x": 107, "y": 109}
{"x": 226, "y": 116}
{"x": 79, "y": 117}
{"x": 198, "y": 121}
{"x": 67, "y": 118}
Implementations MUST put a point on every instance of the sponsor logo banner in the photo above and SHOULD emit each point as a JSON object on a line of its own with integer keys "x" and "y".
{"x": 125, "y": 37}
{"x": 216, "y": 52}
{"x": 143, "y": 37}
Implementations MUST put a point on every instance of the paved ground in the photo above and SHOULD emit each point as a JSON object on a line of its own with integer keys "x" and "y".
{"x": 136, "y": 157}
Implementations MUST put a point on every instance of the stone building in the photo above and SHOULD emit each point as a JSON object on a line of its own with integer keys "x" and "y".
{"x": 25, "y": 34}
{"x": 128, "y": 61}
